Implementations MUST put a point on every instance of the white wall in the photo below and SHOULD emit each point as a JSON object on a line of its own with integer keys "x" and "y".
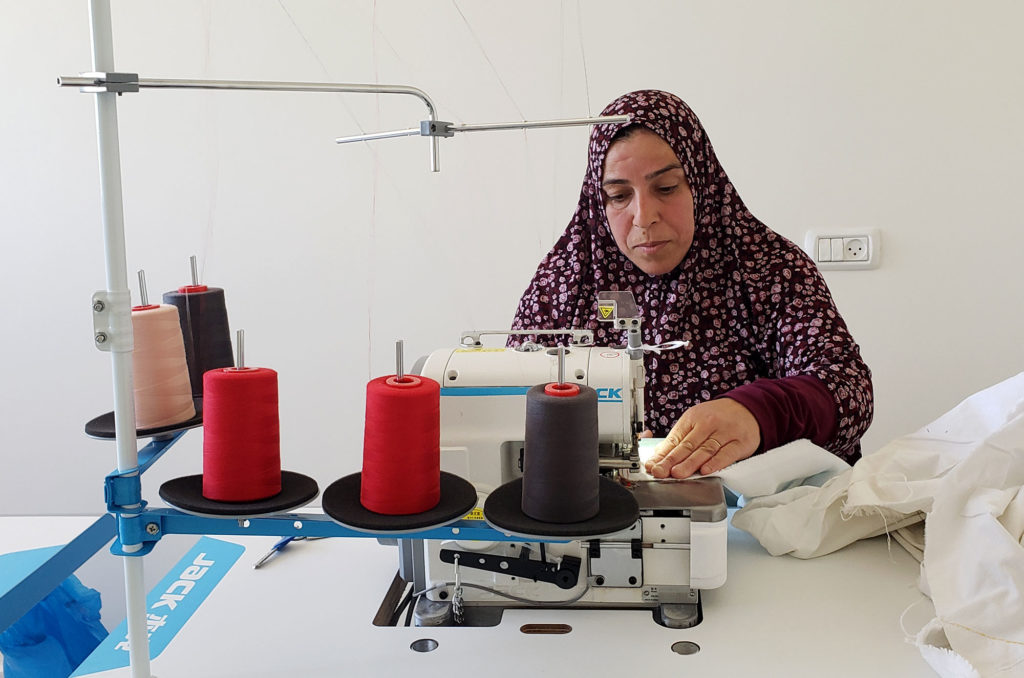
{"x": 899, "y": 116}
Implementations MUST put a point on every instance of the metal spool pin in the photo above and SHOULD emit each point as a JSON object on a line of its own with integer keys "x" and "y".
{"x": 561, "y": 365}
{"x": 195, "y": 271}
{"x": 240, "y": 350}
{"x": 400, "y": 360}
{"x": 143, "y": 295}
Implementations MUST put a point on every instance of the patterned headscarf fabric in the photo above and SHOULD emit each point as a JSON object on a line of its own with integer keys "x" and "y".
{"x": 750, "y": 302}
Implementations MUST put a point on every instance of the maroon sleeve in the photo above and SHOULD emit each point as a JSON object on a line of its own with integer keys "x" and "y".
{"x": 789, "y": 409}
{"x": 799, "y": 333}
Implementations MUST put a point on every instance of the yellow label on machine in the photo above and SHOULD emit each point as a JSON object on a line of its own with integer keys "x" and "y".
{"x": 606, "y": 311}
{"x": 475, "y": 514}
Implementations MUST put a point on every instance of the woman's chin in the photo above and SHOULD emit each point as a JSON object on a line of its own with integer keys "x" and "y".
{"x": 657, "y": 266}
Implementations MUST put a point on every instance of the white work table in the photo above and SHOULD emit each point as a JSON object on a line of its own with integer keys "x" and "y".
{"x": 309, "y": 612}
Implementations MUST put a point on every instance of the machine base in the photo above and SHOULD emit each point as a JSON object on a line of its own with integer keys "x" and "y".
{"x": 429, "y": 613}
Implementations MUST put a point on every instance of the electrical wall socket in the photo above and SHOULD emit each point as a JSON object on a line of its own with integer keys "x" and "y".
{"x": 855, "y": 249}
{"x": 848, "y": 249}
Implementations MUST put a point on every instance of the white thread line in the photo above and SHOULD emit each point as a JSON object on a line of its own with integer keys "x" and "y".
{"x": 319, "y": 61}
{"x": 844, "y": 516}
{"x": 583, "y": 54}
{"x": 372, "y": 278}
{"x": 907, "y": 635}
{"x": 981, "y": 633}
{"x": 488, "y": 59}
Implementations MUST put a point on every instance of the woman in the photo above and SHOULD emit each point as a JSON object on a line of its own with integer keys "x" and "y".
{"x": 770, "y": 360}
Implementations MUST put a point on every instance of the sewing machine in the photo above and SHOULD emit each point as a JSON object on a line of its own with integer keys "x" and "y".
{"x": 662, "y": 561}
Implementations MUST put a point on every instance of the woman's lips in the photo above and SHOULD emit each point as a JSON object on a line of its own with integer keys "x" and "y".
{"x": 649, "y": 247}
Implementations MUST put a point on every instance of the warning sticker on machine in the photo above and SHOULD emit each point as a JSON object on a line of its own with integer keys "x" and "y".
{"x": 606, "y": 311}
{"x": 475, "y": 514}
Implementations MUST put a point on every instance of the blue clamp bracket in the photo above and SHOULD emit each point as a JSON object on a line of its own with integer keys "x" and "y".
{"x": 123, "y": 494}
{"x": 143, "y": 529}
{"x": 122, "y": 491}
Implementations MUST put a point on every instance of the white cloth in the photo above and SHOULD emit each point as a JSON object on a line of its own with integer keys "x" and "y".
{"x": 963, "y": 475}
{"x": 800, "y": 462}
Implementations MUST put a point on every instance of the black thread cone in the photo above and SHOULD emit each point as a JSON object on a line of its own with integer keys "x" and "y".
{"x": 560, "y": 464}
{"x": 204, "y": 326}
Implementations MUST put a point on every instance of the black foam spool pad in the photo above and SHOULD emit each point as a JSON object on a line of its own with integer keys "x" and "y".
{"x": 341, "y": 502}
{"x": 187, "y": 494}
{"x": 103, "y": 425}
{"x": 504, "y": 510}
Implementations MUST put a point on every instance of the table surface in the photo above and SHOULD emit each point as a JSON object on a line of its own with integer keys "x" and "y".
{"x": 309, "y": 612}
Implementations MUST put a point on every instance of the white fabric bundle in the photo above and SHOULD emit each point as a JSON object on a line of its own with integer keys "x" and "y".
{"x": 964, "y": 476}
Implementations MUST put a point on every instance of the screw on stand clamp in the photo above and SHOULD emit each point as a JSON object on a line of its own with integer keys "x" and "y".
{"x": 112, "y": 321}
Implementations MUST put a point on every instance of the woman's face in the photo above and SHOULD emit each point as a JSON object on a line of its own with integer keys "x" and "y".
{"x": 648, "y": 202}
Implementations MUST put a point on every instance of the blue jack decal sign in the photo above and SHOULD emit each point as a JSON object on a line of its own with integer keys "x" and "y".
{"x": 609, "y": 395}
{"x": 170, "y": 604}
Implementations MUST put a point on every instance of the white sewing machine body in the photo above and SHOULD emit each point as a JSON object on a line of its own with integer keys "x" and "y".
{"x": 483, "y": 402}
{"x": 676, "y": 548}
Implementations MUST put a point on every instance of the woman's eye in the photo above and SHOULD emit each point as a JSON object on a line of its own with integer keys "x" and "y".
{"x": 617, "y": 198}
{"x": 666, "y": 190}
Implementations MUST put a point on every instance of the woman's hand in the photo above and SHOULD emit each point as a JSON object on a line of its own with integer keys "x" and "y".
{"x": 707, "y": 438}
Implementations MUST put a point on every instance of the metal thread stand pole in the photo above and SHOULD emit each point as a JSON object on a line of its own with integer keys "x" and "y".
{"x": 117, "y": 288}
{"x": 117, "y": 294}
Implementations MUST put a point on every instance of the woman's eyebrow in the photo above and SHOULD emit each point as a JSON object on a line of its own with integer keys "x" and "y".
{"x": 666, "y": 168}
{"x": 652, "y": 175}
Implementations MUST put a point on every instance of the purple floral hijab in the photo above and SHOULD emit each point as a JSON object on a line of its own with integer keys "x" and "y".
{"x": 749, "y": 301}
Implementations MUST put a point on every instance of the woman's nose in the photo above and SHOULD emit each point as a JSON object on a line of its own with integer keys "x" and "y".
{"x": 645, "y": 213}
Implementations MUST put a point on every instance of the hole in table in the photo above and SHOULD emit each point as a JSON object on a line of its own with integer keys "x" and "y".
{"x": 424, "y": 645}
{"x": 545, "y": 629}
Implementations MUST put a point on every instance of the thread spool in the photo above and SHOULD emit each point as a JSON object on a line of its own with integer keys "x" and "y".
{"x": 401, "y": 446}
{"x": 203, "y": 317}
{"x": 241, "y": 434}
{"x": 560, "y": 461}
{"x": 163, "y": 392}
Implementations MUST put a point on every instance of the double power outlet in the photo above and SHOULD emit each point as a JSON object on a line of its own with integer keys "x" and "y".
{"x": 844, "y": 250}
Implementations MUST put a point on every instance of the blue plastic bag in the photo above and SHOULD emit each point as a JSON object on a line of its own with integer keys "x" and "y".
{"x": 55, "y": 636}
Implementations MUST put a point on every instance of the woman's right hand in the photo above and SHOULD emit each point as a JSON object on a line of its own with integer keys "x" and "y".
{"x": 707, "y": 438}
